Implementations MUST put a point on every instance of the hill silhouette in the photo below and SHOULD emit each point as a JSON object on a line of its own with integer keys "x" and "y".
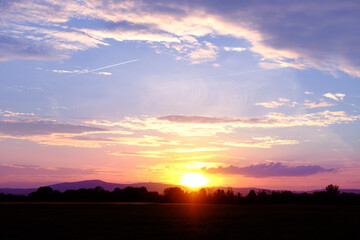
{"x": 151, "y": 186}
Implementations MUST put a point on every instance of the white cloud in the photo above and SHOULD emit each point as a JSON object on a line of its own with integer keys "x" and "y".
{"x": 203, "y": 53}
{"x": 236, "y": 49}
{"x": 104, "y": 73}
{"x": 335, "y": 96}
{"x": 69, "y": 71}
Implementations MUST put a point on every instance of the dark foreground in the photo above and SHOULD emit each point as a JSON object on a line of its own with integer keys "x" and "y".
{"x": 177, "y": 221}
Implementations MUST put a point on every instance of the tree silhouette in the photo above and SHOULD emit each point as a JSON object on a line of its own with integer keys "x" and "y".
{"x": 332, "y": 190}
{"x": 177, "y": 195}
{"x": 251, "y": 197}
{"x": 174, "y": 194}
{"x": 45, "y": 194}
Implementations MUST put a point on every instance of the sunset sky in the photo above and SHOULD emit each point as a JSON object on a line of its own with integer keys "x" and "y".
{"x": 247, "y": 93}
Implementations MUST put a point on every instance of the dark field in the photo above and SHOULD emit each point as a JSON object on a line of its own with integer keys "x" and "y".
{"x": 177, "y": 221}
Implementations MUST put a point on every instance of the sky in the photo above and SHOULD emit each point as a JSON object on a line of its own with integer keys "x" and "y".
{"x": 248, "y": 93}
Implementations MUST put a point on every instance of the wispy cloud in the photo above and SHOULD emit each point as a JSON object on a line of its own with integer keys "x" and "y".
{"x": 176, "y": 153}
{"x": 68, "y": 71}
{"x": 236, "y": 49}
{"x": 280, "y": 103}
{"x": 104, "y": 73}
{"x": 10, "y": 114}
{"x": 60, "y": 108}
{"x": 34, "y": 171}
{"x": 260, "y": 142}
{"x": 209, "y": 126}
{"x": 203, "y": 53}
{"x": 309, "y": 104}
{"x": 38, "y": 127}
{"x": 273, "y": 169}
{"x": 20, "y": 88}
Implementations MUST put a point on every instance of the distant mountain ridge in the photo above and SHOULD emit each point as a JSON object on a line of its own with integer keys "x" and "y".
{"x": 150, "y": 186}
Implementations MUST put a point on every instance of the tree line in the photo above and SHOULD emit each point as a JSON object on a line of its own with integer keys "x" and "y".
{"x": 331, "y": 195}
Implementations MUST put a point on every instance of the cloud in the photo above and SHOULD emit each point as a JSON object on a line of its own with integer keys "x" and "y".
{"x": 260, "y": 142}
{"x": 192, "y": 150}
{"x": 176, "y": 153}
{"x": 273, "y": 169}
{"x": 274, "y": 119}
{"x": 15, "y": 47}
{"x": 236, "y": 49}
{"x": 69, "y": 71}
{"x": 79, "y": 72}
{"x": 9, "y": 170}
{"x": 35, "y": 127}
{"x": 309, "y": 104}
{"x": 302, "y": 35}
{"x": 149, "y": 141}
{"x": 104, "y": 73}
{"x": 281, "y": 103}
{"x": 335, "y": 96}
{"x": 209, "y": 126}
{"x": 203, "y": 53}
{"x": 60, "y": 108}
{"x": 194, "y": 119}
{"x": 308, "y": 93}
{"x": 20, "y": 88}
{"x": 8, "y": 113}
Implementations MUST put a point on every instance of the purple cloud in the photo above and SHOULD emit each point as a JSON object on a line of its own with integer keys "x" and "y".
{"x": 96, "y": 139}
{"x": 319, "y": 31}
{"x": 14, "y": 48}
{"x": 32, "y": 170}
{"x": 29, "y": 128}
{"x": 272, "y": 169}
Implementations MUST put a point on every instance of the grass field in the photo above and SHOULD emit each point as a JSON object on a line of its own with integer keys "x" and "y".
{"x": 177, "y": 221}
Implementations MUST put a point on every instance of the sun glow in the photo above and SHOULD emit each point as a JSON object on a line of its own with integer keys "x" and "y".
{"x": 194, "y": 180}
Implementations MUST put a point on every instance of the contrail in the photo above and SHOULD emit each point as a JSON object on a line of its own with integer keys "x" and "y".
{"x": 101, "y": 68}
{"x": 113, "y": 65}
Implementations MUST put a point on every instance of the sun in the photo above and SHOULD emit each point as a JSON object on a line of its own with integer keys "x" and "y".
{"x": 194, "y": 180}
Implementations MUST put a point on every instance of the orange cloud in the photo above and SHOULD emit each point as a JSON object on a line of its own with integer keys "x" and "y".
{"x": 335, "y": 96}
{"x": 309, "y": 104}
